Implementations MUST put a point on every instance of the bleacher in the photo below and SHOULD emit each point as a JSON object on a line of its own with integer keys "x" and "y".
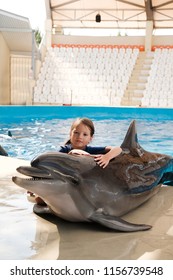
{"x": 100, "y": 74}
{"x": 159, "y": 87}
{"x": 85, "y": 75}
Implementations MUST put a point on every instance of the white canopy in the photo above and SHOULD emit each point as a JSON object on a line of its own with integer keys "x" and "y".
{"x": 121, "y": 14}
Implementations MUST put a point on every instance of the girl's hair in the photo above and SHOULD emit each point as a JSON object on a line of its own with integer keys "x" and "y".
{"x": 84, "y": 121}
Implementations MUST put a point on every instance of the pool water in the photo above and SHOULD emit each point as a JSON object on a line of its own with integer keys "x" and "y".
{"x": 45, "y": 128}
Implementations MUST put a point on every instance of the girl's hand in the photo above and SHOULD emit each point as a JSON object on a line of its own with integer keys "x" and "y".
{"x": 102, "y": 160}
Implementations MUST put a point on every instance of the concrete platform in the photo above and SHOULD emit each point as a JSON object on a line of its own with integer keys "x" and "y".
{"x": 24, "y": 235}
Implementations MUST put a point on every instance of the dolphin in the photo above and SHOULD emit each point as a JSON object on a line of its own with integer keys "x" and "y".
{"x": 8, "y": 136}
{"x": 76, "y": 189}
{"x": 4, "y": 136}
{"x": 3, "y": 152}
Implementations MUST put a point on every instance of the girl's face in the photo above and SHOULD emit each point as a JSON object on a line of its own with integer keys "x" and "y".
{"x": 80, "y": 137}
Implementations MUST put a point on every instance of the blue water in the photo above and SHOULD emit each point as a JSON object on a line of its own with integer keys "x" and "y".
{"x": 44, "y": 128}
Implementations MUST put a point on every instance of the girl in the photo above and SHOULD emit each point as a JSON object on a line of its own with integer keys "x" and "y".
{"x": 81, "y": 134}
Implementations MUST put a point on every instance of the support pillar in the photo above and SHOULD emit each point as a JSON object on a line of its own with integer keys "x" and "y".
{"x": 148, "y": 36}
{"x": 48, "y": 35}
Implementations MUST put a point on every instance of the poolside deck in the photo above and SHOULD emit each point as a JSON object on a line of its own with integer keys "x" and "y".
{"x": 24, "y": 235}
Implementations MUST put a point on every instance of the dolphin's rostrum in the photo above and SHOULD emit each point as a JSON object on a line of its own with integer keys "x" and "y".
{"x": 76, "y": 189}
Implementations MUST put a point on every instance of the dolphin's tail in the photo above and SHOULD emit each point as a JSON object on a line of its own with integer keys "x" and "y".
{"x": 117, "y": 223}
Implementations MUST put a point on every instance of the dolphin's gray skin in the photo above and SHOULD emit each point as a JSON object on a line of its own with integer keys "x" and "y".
{"x": 76, "y": 189}
{"x": 3, "y": 136}
{"x": 3, "y": 152}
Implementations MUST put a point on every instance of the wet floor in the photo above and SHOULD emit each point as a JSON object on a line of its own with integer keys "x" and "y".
{"x": 25, "y": 235}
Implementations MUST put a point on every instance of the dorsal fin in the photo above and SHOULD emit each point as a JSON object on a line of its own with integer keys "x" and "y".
{"x": 3, "y": 152}
{"x": 130, "y": 143}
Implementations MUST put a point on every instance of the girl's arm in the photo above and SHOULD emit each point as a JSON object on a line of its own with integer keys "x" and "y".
{"x": 103, "y": 160}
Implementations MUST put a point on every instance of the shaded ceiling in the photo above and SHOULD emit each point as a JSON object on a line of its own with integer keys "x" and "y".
{"x": 16, "y": 31}
{"x": 121, "y": 14}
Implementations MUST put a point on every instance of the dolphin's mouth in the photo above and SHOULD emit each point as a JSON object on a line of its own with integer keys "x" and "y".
{"x": 36, "y": 179}
{"x": 40, "y": 174}
{"x": 34, "y": 173}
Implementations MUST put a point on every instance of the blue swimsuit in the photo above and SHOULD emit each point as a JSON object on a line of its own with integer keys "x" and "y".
{"x": 91, "y": 150}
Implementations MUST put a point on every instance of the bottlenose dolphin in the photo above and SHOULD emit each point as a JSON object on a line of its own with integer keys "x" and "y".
{"x": 8, "y": 136}
{"x": 3, "y": 152}
{"x": 75, "y": 188}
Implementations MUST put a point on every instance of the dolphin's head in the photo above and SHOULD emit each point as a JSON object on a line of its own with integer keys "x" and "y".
{"x": 57, "y": 178}
{"x": 52, "y": 168}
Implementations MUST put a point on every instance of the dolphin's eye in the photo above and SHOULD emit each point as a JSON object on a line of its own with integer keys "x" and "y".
{"x": 74, "y": 180}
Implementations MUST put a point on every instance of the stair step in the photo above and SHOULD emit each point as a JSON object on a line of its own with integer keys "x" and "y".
{"x": 137, "y": 84}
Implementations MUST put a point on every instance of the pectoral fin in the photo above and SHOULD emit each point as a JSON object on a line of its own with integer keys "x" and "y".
{"x": 117, "y": 223}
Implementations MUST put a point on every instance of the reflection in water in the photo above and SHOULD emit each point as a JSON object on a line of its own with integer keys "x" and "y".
{"x": 24, "y": 235}
{"x": 46, "y": 243}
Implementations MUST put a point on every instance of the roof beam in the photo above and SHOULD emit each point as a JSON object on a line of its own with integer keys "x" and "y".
{"x": 64, "y": 4}
{"x": 163, "y": 4}
{"x": 96, "y": 10}
{"x": 149, "y": 10}
{"x": 130, "y": 3}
